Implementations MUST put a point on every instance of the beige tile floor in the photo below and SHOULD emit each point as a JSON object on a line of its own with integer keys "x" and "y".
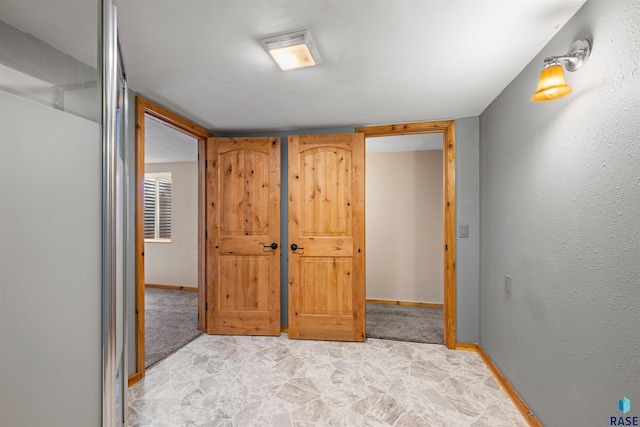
{"x": 269, "y": 381}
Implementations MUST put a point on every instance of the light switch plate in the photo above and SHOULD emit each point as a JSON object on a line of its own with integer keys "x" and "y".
{"x": 507, "y": 284}
{"x": 463, "y": 231}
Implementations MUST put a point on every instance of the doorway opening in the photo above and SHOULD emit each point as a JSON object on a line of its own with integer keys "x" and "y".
{"x": 447, "y": 130}
{"x": 404, "y": 234}
{"x": 169, "y": 230}
{"x": 170, "y": 239}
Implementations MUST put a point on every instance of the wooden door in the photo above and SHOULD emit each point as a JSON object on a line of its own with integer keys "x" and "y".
{"x": 326, "y": 223}
{"x": 243, "y": 236}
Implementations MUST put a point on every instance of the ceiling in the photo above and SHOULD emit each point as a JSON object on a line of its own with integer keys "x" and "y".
{"x": 164, "y": 144}
{"x": 399, "y": 143}
{"x": 384, "y": 61}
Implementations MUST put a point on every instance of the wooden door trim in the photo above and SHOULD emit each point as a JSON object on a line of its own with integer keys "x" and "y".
{"x": 146, "y": 107}
{"x": 447, "y": 128}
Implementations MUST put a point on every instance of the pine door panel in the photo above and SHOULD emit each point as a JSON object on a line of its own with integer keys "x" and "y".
{"x": 243, "y": 220}
{"x": 252, "y": 273}
{"x": 326, "y": 222}
{"x": 326, "y": 285}
{"x": 326, "y": 180}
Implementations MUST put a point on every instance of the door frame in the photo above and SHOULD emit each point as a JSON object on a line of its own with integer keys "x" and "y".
{"x": 447, "y": 128}
{"x": 147, "y": 107}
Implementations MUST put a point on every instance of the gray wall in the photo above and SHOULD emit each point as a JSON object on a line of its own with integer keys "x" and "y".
{"x": 468, "y": 212}
{"x": 50, "y": 266}
{"x": 560, "y": 213}
{"x": 467, "y": 203}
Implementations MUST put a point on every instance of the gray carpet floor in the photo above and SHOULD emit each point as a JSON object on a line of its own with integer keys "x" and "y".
{"x": 404, "y": 323}
{"x": 171, "y": 321}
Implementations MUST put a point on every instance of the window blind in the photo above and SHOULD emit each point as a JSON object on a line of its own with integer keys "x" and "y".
{"x": 157, "y": 208}
{"x": 164, "y": 209}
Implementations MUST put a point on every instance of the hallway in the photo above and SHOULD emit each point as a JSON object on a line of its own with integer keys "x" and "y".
{"x": 267, "y": 381}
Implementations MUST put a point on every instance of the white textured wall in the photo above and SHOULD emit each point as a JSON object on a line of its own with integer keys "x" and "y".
{"x": 404, "y": 226}
{"x": 50, "y": 266}
{"x": 560, "y": 213}
{"x": 176, "y": 263}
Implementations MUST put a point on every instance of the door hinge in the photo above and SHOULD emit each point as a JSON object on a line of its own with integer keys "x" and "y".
{"x": 446, "y": 247}
{"x": 206, "y": 164}
{"x": 206, "y": 306}
{"x": 206, "y": 235}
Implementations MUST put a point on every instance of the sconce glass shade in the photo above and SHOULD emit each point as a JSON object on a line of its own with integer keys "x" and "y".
{"x": 551, "y": 85}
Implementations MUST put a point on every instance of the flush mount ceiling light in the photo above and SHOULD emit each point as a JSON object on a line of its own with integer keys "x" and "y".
{"x": 552, "y": 84}
{"x": 292, "y": 50}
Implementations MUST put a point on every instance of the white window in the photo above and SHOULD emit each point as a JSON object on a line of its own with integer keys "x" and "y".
{"x": 157, "y": 207}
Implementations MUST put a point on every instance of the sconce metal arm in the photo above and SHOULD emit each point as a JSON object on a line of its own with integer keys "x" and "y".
{"x": 578, "y": 54}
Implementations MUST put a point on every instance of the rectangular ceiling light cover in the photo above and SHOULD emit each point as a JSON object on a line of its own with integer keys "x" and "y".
{"x": 292, "y": 50}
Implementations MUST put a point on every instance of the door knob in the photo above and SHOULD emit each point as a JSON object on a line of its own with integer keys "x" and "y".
{"x": 273, "y": 246}
{"x": 295, "y": 247}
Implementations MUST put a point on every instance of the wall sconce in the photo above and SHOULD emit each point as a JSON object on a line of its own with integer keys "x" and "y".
{"x": 552, "y": 84}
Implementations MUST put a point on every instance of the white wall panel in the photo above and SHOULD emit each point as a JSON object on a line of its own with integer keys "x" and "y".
{"x": 50, "y": 266}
